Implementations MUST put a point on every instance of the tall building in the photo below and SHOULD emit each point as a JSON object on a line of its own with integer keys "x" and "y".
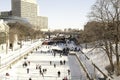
{"x": 25, "y": 9}
{"x": 28, "y": 9}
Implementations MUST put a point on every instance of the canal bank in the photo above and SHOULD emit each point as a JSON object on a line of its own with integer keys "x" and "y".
{"x": 13, "y": 56}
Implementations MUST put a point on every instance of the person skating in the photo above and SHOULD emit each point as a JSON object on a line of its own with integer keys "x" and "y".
{"x": 68, "y": 72}
{"x": 50, "y": 62}
{"x": 64, "y": 62}
{"x": 37, "y": 66}
{"x": 27, "y": 70}
{"x": 61, "y": 63}
{"x": 54, "y": 65}
{"x": 59, "y": 73}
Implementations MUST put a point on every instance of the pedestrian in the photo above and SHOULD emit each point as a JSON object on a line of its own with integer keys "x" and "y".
{"x": 50, "y": 62}
{"x": 40, "y": 71}
{"x": 40, "y": 67}
{"x": 54, "y": 54}
{"x": 60, "y": 54}
{"x": 43, "y": 70}
{"x": 61, "y": 62}
{"x": 7, "y": 74}
{"x": 36, "y": 66}
{"x": 68, "y": 72}
{"x": 27, "y": 70}
{"x": 59, "y": 73}
{"x": 54, "y": 65}
{"x": 10, "y": 67}
{"x": 25, "y": 57}
{"x": 25, "y": 64}
{"x": 64, "y": 62}
{"x": 29, "y": 62}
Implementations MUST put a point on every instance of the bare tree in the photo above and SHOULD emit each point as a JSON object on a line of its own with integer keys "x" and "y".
{"x": 108, "y": 12}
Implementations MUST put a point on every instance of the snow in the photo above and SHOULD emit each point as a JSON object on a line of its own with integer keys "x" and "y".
{"x": 100, "y": 61}
{"x": 98, "y": 57}
{"x": 17, "y": 72}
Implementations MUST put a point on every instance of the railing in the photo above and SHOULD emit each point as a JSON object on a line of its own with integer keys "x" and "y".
{"x": 97, "y": 68}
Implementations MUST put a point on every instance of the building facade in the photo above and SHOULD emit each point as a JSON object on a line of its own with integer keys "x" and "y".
{"x": 6, "y": 13}
{"x": 28, "y": 9}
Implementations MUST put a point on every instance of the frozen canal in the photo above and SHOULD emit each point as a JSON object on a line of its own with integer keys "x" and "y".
{"x": 77, "y": 72}
{"x": 48, "y": 67}
{"x": 18, "y": 72}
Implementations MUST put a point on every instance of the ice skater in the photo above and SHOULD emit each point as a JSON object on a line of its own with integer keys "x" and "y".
{"x": 68, "y": 72}
{"x": 64, "y": 62}
{"x": 37, "y": 66}
{"x": 50, "y": 62}
{"x": 61, "y": 62}
{"x": 59, "y": 73}
{"x": 27, "y": 70}
{"x": 54, "y": 65}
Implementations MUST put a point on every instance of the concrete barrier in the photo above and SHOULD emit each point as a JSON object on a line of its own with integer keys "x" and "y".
{"x": 83, "y": 66}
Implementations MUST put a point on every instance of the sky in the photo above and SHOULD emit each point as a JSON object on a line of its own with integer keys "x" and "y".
{"x": 61, "y": 13}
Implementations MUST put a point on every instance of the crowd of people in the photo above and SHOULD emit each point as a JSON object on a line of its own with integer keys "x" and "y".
{"x": 42, "y": 71}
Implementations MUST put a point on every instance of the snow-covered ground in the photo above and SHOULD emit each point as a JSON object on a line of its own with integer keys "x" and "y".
{"x": 98, "y": 57}
{"x": 17, "y": 72}
{"x": 7, "y": 59}
{"x": 77, "y": 73}
{"x": 44, "y": 55}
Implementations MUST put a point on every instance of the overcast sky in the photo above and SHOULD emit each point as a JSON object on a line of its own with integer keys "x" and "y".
{"x": 61, "y": 13}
